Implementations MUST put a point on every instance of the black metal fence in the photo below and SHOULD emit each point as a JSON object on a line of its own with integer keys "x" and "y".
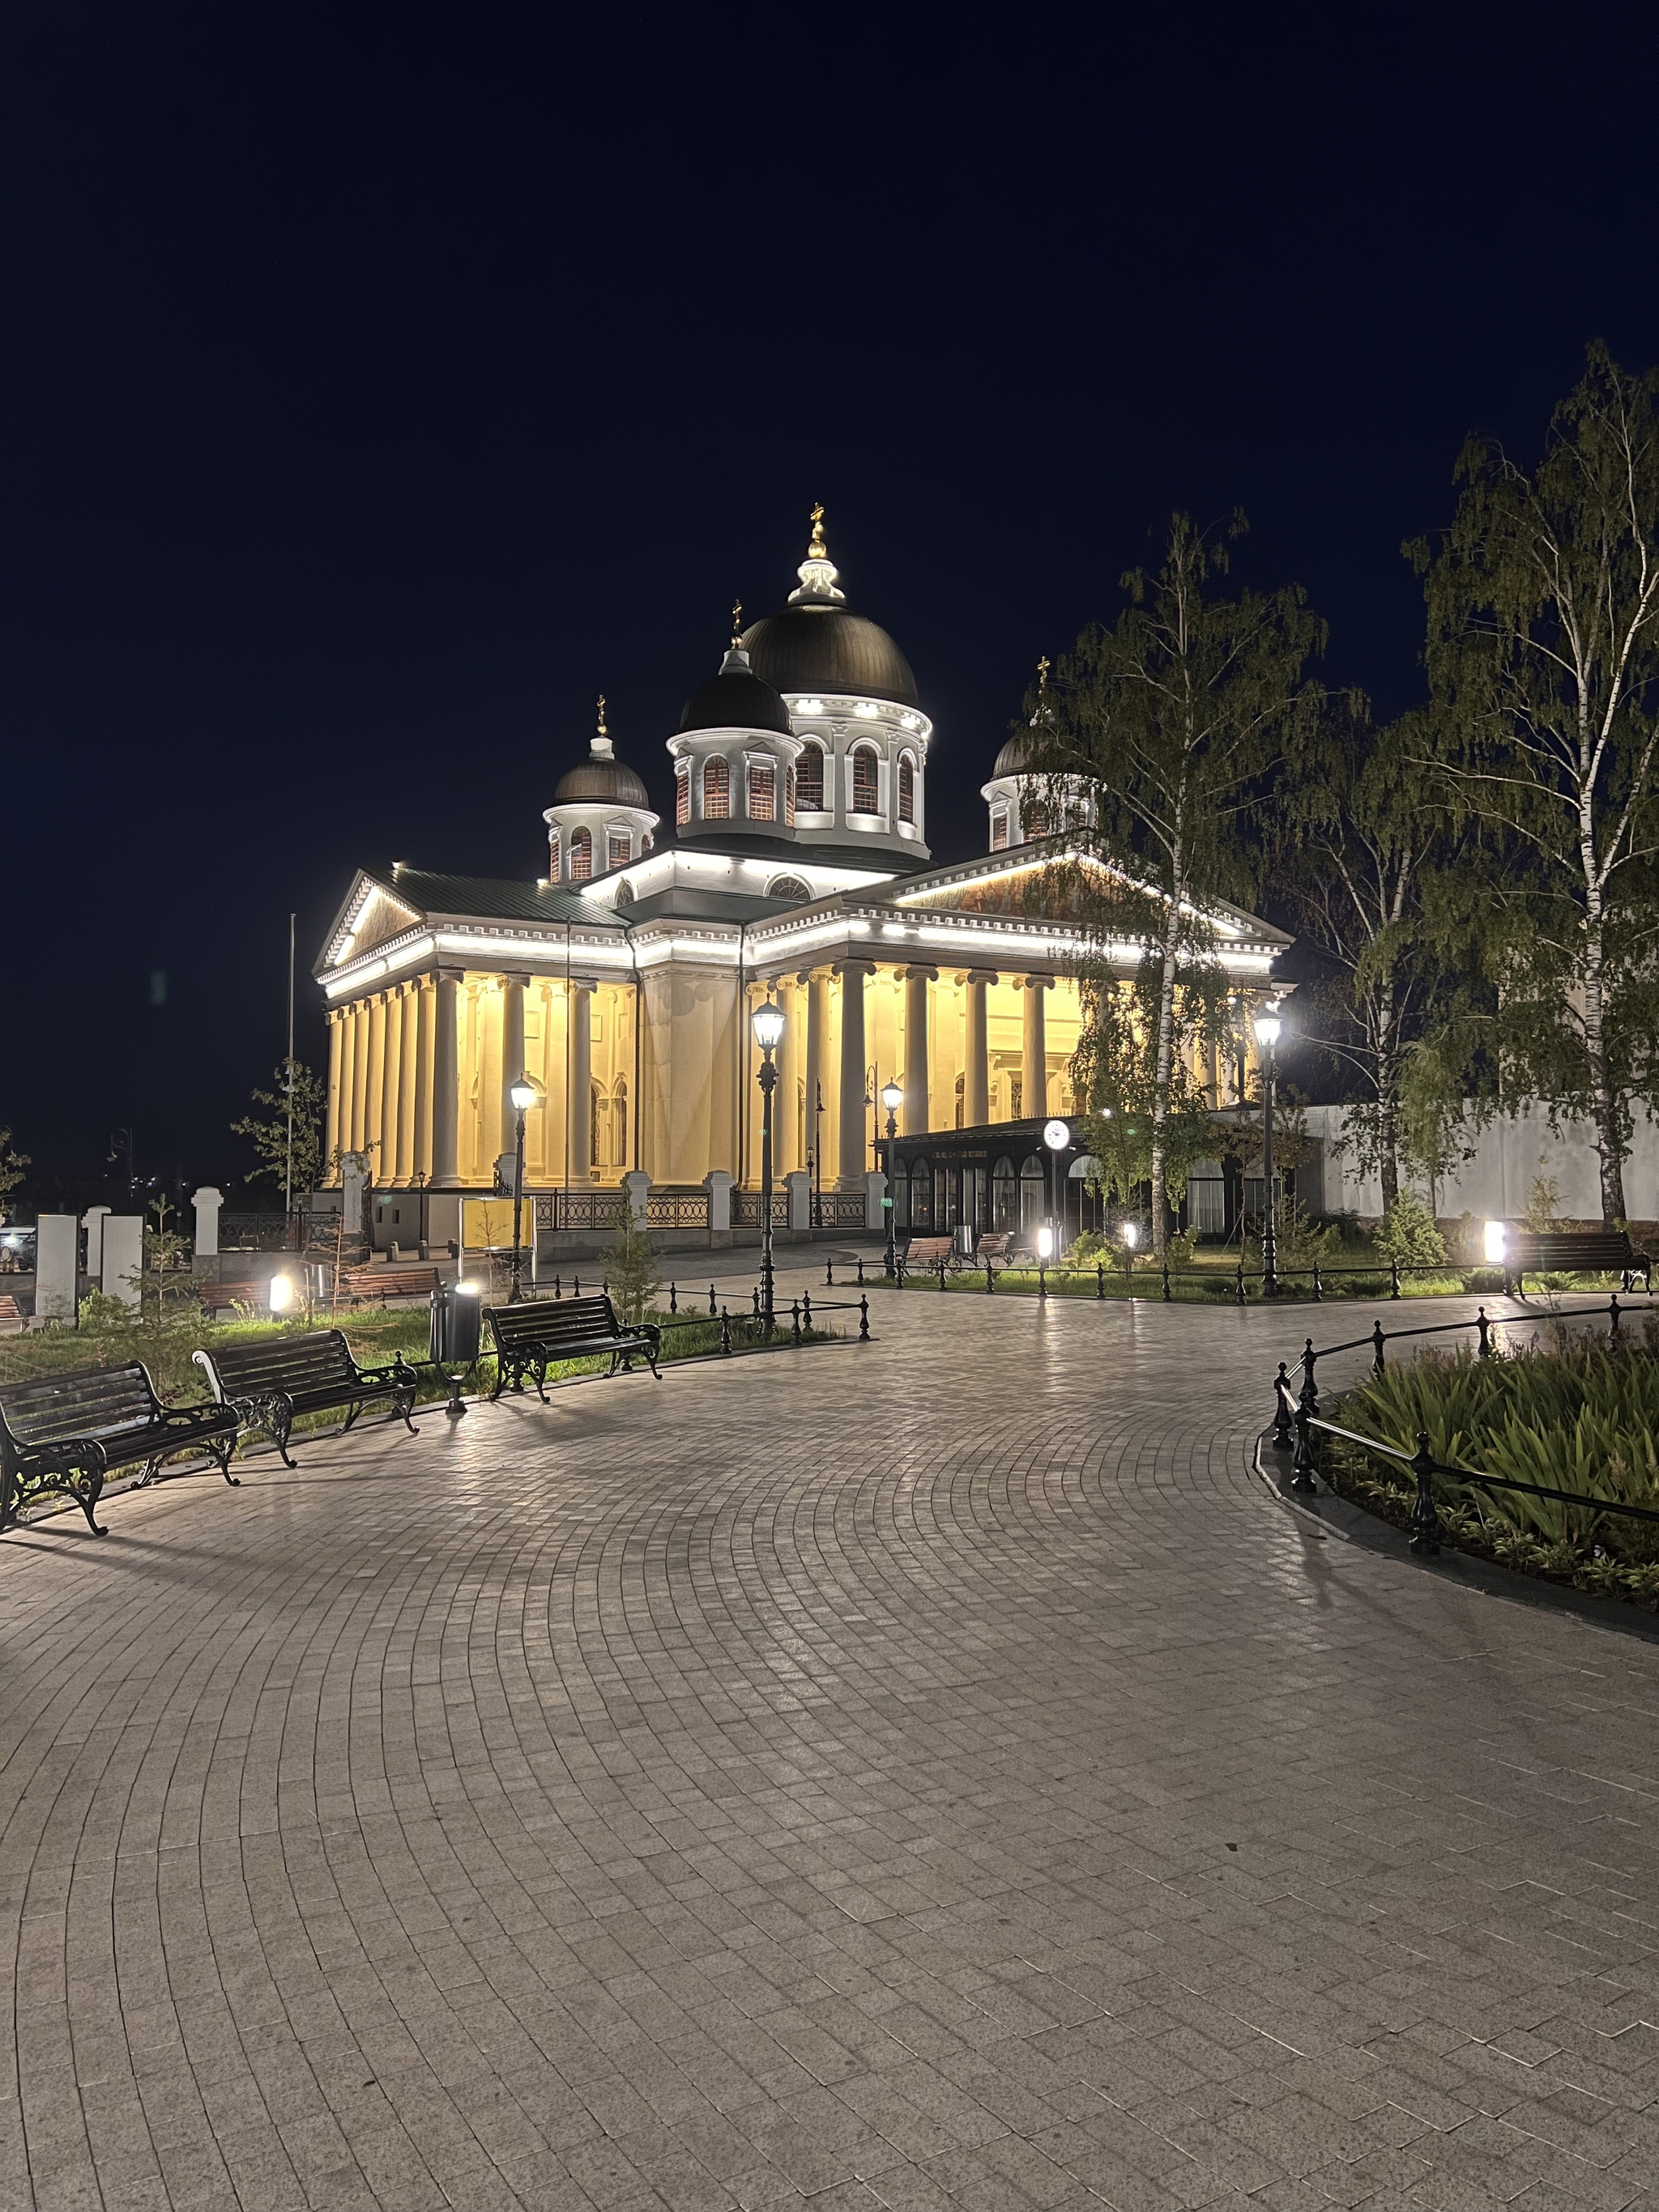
{"x": 1239, "y": 1285}
{"x": 1297, "y": 1420}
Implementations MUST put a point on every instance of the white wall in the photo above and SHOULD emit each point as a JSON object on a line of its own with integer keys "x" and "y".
{"x": 1509, "y": 1152}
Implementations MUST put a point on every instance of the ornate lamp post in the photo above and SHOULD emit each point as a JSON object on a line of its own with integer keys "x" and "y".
{"x": 892, "y": 1097}
{"x": 523, "y": 1096}
{"x": 768, "y": 1023}
{"x": 1267, "y": 1025}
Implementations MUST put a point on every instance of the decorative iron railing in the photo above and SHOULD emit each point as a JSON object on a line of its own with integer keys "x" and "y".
{"x": 677, "y": 1209}
{"x": 840, "y": 1209}
{"x": 746, "y": 1209}
{"x": 254, "y": 1232}
{"x": 581, "y": 1209}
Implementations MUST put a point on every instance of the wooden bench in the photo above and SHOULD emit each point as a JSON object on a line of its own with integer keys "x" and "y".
{"x": 1572, "y": 1252}
{"x": 66, "y": 1432}
{"x": 929, "y": 1252}
{"x": 994, "y": 1248}
{"x": 11, "y": 1321}
{"x": 216, "y": 1297}
{"x": 532, "y": 1337}
{"x": 365, "y": 1284}
{"x": 271, "y": 1379}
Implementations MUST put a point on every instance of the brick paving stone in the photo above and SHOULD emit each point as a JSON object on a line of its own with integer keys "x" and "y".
{"x": 923, "y": 1775}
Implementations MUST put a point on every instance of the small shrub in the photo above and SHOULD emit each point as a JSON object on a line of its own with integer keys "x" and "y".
{"x": 1409, "y": 1237}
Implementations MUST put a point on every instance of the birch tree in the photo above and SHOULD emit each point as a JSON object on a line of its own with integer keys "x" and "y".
{"x": 1543, "y": 660}
{"x": 1177, "y": 720}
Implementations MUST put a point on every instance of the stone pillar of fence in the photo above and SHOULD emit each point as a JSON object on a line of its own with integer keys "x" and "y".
{"x": 57, "y": 1248}
{"x": 717, "y": 1184}
{"x": 123, "y": 1257}
{"x": 207, "y": 1202}
{"x": 799, "y": 1185}
{"x": 637, "y": 1185}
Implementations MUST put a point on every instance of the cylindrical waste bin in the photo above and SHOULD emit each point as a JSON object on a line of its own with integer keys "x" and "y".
{"x": 454, "y": 1338}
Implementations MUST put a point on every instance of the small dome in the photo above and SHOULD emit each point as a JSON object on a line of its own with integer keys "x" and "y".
{"x": 1012, "y": 760}
{"x": 735, "y": 699}
{"x": 604, "y": 782}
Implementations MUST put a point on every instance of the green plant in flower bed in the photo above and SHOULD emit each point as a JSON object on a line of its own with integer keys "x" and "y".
{"x": 1578, "y": 1416}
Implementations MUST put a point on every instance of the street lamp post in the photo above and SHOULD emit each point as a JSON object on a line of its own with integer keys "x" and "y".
{"x": 892, "y": 1097}
{"x": 523, "y": 1096}
{"x": 768, "y": 1023}
{"x": 1267, "y": 1026}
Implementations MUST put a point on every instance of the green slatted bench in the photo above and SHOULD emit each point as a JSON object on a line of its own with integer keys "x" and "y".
{"x": 534, "y": 1335}
{"x": 68, "y": 1432}
{"x": 1572, "y": 1252}
{"x": 269, "y": 1381}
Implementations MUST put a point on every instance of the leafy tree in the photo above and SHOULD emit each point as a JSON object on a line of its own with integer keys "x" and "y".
{"x": 12, "y": 1164}
{"x": 1114, "y": 1075}
{"x": 1361, "y": 870}
{"x": 308, "y": 1095}
{"x": 1543, "y": 661}
{"x": 1176, "y": 720}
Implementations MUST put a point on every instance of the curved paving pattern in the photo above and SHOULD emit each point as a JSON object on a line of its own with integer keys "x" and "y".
{"x": 927, "y": 1774}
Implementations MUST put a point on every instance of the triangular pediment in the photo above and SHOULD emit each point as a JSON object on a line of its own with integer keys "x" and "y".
{"x": 370, "y": 916}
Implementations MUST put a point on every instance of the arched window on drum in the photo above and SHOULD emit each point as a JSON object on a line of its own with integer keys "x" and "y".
{"x": 553, "y": 858}
{"x": 867, "y": 780}
{"x": 683, "y": 792}
{"x": 809, "y": 780}
{"x": 716, "y": 790}
{"x": 581, "y": 855}
{"x": 907, "y": 789}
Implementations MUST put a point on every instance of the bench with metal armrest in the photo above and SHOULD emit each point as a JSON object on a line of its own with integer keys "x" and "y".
{"x": 1572, "y": 1252}
{"x": 388, "y": 1282}
{"x": 68, "y": 1432}
{"x": 534, "y": 1335}
{"x": 272, "y": 1380}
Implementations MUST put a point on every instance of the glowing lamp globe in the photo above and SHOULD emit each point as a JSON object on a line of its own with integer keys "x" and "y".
{"x": 891, "y": 1096}
{"x": 1267, "y": 1026}
{"x": 767, "y": 1023}
{"x": 522, "y": 1094}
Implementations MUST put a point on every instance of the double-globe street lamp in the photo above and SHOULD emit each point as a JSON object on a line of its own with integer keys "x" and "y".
{"x": 1267, "y": 1025}
{"x": 768, "y": 1023}
{"x": 522, "y": 1093}
{"x": 892, "y": 1097}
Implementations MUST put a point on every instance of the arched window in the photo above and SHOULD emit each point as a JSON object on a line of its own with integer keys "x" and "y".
{"x": 921, "y": 1194}
{"x": 625, "y": 891}
{"x": 789, "y": 887}
{"x": 683, "y": 792}
{"x": 619, "y": 1124}
{"x": 1033, "y": 1199}
{"x": 763, "y": 792}
{"x": 596, "y": 1108}
{"x": 866, "y": 779}
{"x": 1005, "y": 1213}
{"x": 581, "y": 855}
{"x": 789, "y": 798}
{"x": 907, "y": 789}
{"x": 618, "y": 849}
{"x": 999, "y": 828}
{"x": 809, "y": 780}
{"x": 553, "y": 857}
{"x": 961, "y": 1086}
{"x": 716, "y": 790}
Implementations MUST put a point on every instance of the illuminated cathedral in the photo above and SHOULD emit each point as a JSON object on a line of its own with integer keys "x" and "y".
{"x": 797, "y": 868}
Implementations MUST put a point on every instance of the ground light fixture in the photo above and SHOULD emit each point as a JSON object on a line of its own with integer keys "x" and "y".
{"x": 1267, "y": 1025}
{"x": 1130, "y": 1233}
{"x": 521, "y": 1094}
{"x": 281, "y": 1294}
{"x": 1496, "y": 1244}
{"x": 892, "y": 1097}
{"x": 768, "y": 1025}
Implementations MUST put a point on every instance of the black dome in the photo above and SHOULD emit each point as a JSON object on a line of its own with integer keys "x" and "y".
{"x": 1012, "y": 760}
{"x": 735, "y": 699}
{"x": 606, "y": 781}
{"x": 820, "y": 647}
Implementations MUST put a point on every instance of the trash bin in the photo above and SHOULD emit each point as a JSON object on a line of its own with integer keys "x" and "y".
{"x": 453, "y": 1341}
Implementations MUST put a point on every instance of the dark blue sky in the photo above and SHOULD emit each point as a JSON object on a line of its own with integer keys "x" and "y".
{"x": 381, "y": 383}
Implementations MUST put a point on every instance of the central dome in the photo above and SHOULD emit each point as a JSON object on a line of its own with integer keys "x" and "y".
{"x": 816, "y": 643}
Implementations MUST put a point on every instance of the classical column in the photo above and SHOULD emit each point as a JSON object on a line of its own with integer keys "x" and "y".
{"x": 420, "y": 1148}
{"x": 916, "y": 1111}
{"x": 1034, "y": 1081}
{"x": 446, "y": 1080}
{"x": 358, "y": 1075}
{"x": 393, "y": 1050}
{"x": 374, "y": 1088}
{"x": 336, "y": 1069}
{"x": 854, "y": 1153}
{"x": 786, "y": 1117}
{"x": 579, "y": 1102}
{"x": 818, "y": 1038}
{"x": 976, "y": 1074}
{"x": 408, "y": 1010}
{"x": 512, "y": 991}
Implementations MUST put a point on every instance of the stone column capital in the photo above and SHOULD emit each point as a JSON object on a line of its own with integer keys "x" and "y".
{"x": 978, "y": 976}
{"x": 918, "y": 972}
{"x": 852, "y": 968}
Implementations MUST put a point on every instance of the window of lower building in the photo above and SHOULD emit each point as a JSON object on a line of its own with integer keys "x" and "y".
{"x": 789, "y": 887}
{"x": 1033, "y": 1199}
{"x": 1005, "y": 1212}
{"x": 921, "y": 1194}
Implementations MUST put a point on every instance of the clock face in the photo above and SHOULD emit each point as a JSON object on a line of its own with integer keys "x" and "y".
{"x": 1057, "y": 1136}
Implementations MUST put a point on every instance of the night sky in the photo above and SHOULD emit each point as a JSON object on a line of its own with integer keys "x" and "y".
{"x": 380, "y": 384}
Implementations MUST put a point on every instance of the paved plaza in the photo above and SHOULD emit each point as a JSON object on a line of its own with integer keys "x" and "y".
{"x": 926, "y": 1774}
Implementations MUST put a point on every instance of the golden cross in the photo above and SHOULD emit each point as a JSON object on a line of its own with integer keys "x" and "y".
{"x": 736, "y": 622}
{"x": 1043, "y": 666}
{"x": 815, "y": 550}
{"x": 602, "y": 727}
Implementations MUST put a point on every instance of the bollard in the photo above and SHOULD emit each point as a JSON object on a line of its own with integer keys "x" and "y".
{"x": 1485, "y": 1327}
{"x": 1100, "y": 1280}
{"x": 1304, "y": 1468}
{"x": 941, "y": 1274}
{"x": 806, "y": 1309}
{"x": 1043, "y": 1279}
{"x": 673, "y": 1299}
{"x": 558, "y": 1292}
{"x": 1425, "y": 1521}
{"x": 1240, "y": 1286}
{"x": 1284, "y": 1418}
{"x": 1612, "y": 1309}
{"x": 794, "y": 1321}
{"x": 1394, "y": 1269}
{"x": 754, "y": 1299}
{"x": 1319, "y": 1287}
{"x": 860, "y": 1271}
{"x": 864, "y": 1320}
{"x": 1309, "y": 1394}
{"x": 456, "y": 1408}
{"x": 830, "y": 1273}
{"x": 990, "y": 1280}
{"x": 575, "y": 1286}
{"x": 1377, "y": 1342}
{"x": 713, "y": 1308}
{"x": 1166, "y": 1282}
{"x": 725, "y": 1330}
